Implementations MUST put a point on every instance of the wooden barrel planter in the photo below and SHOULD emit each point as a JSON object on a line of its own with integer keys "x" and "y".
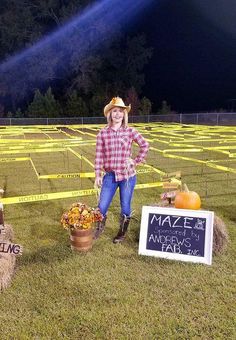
{"x": 81, "y": 239}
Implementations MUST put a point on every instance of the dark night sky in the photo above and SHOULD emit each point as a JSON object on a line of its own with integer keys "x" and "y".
{"x": 193, "y": 65}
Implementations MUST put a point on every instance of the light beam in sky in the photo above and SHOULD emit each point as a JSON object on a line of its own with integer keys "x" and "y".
{"x": 90, "y": 30}
{"x": 221, "y": 13}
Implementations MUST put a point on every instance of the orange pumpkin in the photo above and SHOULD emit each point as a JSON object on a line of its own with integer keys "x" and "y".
{"x": 187, "y": 199}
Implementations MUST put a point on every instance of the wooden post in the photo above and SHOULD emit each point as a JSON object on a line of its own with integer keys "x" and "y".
{"x": 1, "y": 214}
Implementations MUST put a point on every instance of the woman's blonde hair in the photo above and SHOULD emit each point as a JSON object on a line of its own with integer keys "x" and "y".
{"x": 124, "y": 121}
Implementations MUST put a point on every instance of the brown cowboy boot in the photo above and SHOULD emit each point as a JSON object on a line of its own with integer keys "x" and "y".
{"x": 124, "y": 223}
{"x": 100, "y": 227}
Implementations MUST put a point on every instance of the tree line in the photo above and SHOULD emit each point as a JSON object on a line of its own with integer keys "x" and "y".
{"x": 43, "y": 86}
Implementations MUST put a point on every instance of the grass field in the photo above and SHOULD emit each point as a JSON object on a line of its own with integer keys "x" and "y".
{"x": 112, "y": 292}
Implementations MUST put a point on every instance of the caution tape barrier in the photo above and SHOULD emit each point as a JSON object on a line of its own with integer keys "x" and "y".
{"x": 65, "y": 194}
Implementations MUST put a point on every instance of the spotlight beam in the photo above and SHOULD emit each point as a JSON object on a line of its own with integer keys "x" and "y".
{"x": 90, "y": 29}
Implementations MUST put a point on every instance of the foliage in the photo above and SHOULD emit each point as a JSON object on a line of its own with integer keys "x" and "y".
{"x": 31, "y": 21}
{"x": 123, "y": 64}
{"x": 18, "y": 113}
{"x": 96, "y": 74}
{"x": 1, "y": 110}
{"x": 75, "y": 106}
{"x": 133, "y": 99}
{"x": 44, "y": 105}
{"x": 145, "y": 106}
{"x": 137, "y": 56}
{"x": 96, "y": 105}
{"x": 165, "y": 108}
{"x": 36, "y": 108}
{"x": 139, "y": 106}
{"x": 80, "y": 216}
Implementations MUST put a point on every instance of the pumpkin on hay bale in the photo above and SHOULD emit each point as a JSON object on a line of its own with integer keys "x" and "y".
{"x": 7, "y": 261}
{"x": 186, "y": 199}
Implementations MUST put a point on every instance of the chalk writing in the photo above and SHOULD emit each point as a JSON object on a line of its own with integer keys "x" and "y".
{"x": 6, "y": 247}
{"x": 172, "y": 221}
{"x": 199, "y": 224}
{"x": 176, "y": 234}
{"x": 10, "y": 248}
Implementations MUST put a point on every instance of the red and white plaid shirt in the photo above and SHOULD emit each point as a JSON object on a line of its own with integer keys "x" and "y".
{"x": 113, "y": 148}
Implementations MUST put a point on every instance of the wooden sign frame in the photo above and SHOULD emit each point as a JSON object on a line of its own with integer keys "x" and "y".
{"x": 177, "y": 234}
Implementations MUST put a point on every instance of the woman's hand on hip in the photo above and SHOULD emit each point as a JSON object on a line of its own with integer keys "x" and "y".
{"x": 98, "y": 182}
{"x": 129, "y": 163}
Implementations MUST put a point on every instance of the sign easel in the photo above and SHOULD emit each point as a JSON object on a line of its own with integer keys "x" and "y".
{"x": 177, "y": 234}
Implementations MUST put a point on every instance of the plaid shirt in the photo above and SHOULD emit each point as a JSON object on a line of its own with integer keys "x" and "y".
{"x": 113, "y": 148}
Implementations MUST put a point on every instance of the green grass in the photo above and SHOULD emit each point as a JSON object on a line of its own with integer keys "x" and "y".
{"x": 111, "y": 292}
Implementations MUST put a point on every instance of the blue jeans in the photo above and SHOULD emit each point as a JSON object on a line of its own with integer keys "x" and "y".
{"x": 109, "y": 187}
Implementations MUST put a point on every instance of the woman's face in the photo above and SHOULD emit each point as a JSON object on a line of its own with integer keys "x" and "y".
{"x": 117, "y": 114}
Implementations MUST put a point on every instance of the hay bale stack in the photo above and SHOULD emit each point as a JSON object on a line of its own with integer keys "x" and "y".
{"x": 7, "y": 261}
{"x": 8, "y": 236}
{"x": 220, "y": 236}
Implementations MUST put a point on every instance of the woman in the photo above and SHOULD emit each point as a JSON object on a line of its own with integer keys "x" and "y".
{"x": 113, "y": 155}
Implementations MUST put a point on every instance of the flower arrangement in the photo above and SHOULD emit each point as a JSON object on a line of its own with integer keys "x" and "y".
{"x": 80, "y": 216}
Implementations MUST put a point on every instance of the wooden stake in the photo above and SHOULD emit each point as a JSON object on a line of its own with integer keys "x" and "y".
{"x": 1, "y": 214}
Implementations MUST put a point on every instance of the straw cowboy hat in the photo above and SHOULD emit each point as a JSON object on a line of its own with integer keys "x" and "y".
{"x": 116, "y": 101}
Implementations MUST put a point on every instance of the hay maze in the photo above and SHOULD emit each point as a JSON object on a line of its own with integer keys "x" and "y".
{"x": 52, "y": 162}
{"x": 42, "y": 163}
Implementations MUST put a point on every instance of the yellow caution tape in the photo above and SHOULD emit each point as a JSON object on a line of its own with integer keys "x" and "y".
{"x": 144, "y": 171}
{"x": 89, "y": 174}
{"x": 221, "y": 167}
{"x": 154, "y": 169}
{"x": 183, "y": 150}
{"x": 19, "y": 159}
{"x": 65, "y": 194}
{"x": 40, "y": 141}
{"x": 176, "y": 174}
{"x": 217, "y": 148}
{"x": 32, "y": 151}
{"x": 12, "y": 147}
{"x": 34, "y": 168}
{"x": 181, "y": 145}
{"x": 81, "y": 156}
{"x": 69, "y": 175}
{"x": 222, "y": 160}
{"x": 169, "y": 185}
{"x": 155, "y": 149}
{"x": 47, "y": 196}
{"x": 148, "y": 185}
{"x": 184, "y": 158}
{"x": 160, "y": 141}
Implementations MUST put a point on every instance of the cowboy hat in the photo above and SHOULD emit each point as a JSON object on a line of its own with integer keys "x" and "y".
{"x": 116, "y": 101}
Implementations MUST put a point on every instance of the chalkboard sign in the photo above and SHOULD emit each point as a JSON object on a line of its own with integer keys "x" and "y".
{"x": 178, "y": 234}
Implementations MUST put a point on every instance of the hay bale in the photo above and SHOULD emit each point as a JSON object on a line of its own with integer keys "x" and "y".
{"x": 8, "y": 236}
{"x": 7, "y": 268}
{"x": 220, "y": 236}
{"x": 220, "y": 233}
{"x": 7, "y": 261}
